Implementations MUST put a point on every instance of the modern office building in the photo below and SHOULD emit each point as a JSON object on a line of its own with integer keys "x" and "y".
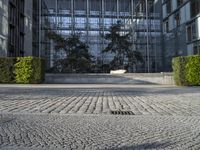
{"x": 146, "y": 33}
{"x": 25, "y": 25}
{"x": 181, "y": 29}
{"x": 17, "y": 28}
{"x": 93, "y": 18}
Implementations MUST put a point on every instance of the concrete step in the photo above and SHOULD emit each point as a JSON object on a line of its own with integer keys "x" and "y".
{"x": 133, "y": 78}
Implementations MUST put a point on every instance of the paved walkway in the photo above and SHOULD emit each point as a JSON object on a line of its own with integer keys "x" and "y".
{"x": 80, "y": 117}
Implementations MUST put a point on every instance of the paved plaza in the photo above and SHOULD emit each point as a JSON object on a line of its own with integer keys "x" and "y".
{"x": 99, "y": 117}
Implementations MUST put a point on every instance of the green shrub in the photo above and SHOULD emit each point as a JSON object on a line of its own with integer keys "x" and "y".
{"x": 187, "y": 70}
{"x": 178, "y": 65}
{"x": 6, "y": 70}
{"x": 193, "y": 70}
{"x": 29, "y": 70}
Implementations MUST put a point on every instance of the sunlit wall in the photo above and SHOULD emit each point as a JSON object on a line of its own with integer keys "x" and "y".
{"x": 3, "y": 27}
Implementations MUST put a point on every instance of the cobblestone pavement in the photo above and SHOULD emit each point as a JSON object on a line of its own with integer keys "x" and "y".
{"x": 63, "y": 117}
{"x": 103, "y": 132}
{"x": 141, "y": 100}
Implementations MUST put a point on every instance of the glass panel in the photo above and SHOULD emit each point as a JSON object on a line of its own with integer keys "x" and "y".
{"x": 80, "y": 22}
{"x": 80, "y": 6}
{"x": 64, "y": 22}
{"x": 64, "y": 33}
{"x": 111, "y": 7}
{"x": 94, "y": 23}
{"x": 64, "y": 6}
{"x": 50, "y": 5}
{"x": 194, "y": 31}
{"x": 125, "y": 6}
{"x": 95, "y": 7}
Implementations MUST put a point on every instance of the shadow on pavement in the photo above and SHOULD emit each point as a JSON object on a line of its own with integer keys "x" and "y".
{"x": 145, "y": 146}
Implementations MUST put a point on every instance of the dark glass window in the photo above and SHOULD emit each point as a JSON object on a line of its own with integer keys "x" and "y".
{"x": 21, "y": 45}
{"x": 80, "y": 5}
{"x": 21, "y": 6}
{"x": 12, "y": 35}
{"x": 95, "y": 5}
{"x": 151, "y": 6}
{"x": 166, "y": 26}
{"x": 179, "y": 2}
{"x": 189, "y": 33}
{"x": 16, "y": 28}
{"x": 64, "y": 6}
{"x": 111, "y": 5}
{"x": 50, "y": 4}
{"x": 196, "y": 49}
{"x": 169, "y": 6}
{"x": 195, "y": 7}
{"x": 124, "y": 5}
{"x": 21, "y": 23}
{"x": 194, "y": 31}
{"x": 12, "y": 10}
{"x": 177, "y": 19}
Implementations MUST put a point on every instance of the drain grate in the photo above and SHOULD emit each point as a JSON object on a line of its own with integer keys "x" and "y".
{"x": 120, "y": 112}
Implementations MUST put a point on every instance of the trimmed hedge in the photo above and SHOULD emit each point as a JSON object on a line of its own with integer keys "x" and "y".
{"x": 187, "y": 70}
{"x": 178, "y": 65}
{"x": 193, "y": 70}
{"x": 29, "y": 70}
{"x": 25, "y": 70}
{"x": 7, "y": 70}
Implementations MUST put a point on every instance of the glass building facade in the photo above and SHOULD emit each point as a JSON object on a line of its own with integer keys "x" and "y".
{"x": 16, "y": 28}
{"x": 146, "y": 33}
{"x": 91, "y": 18}
{"x": 181, "y": 29}
{"x": 19, "y": 28}
{"x": 25, "y": 24}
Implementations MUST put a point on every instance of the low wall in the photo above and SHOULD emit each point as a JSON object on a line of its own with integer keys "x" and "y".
{"x": 132, "y": 78}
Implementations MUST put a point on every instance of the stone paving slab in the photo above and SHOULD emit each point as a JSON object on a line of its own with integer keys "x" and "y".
{"x": 100, "y": 132}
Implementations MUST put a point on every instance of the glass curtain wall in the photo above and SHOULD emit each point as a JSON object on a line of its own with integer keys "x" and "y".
{"x": 36, "y": 28}
{"x": 139, "y": 26}
{"x": 91, "y": 18}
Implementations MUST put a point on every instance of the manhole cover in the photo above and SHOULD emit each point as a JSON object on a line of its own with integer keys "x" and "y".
{"x": 121, "y": 112}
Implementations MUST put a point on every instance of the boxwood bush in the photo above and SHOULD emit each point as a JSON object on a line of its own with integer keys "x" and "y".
{"x": 179, "y": 68}
{"x": 29, "y": 70}
{"x": 187, "y": 70}
{"x": 193, "y": 70}
{"x": 6, "y": 70}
